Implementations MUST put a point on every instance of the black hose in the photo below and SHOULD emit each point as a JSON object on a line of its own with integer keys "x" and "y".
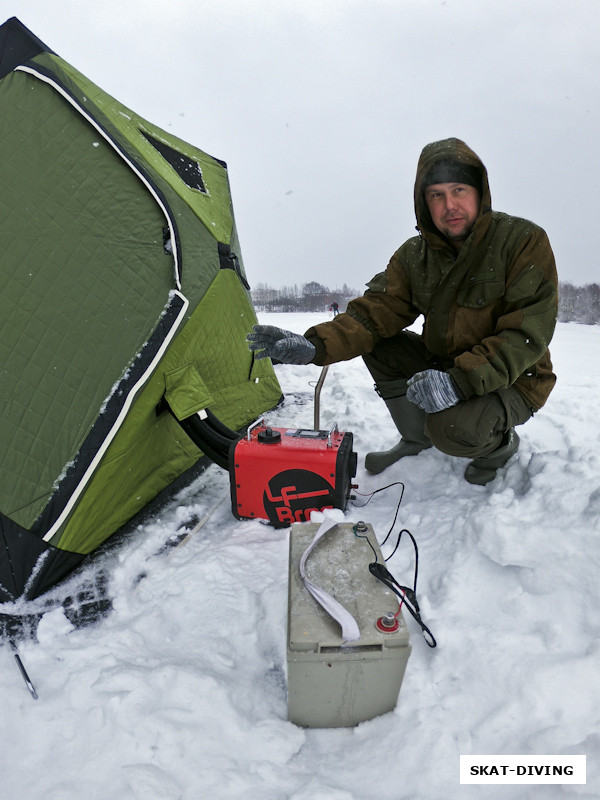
{"x": 218, "y": 426}
{"x": 216, "y": 447}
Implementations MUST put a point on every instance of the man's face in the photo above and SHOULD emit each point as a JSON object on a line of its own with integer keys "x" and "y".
{"x": 454, "y": 208}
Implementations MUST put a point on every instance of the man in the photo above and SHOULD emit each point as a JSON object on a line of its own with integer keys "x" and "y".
{"x": 486, "y": 285}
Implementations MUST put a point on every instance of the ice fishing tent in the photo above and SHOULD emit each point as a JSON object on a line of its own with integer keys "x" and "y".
{"x": 124, "y": 307}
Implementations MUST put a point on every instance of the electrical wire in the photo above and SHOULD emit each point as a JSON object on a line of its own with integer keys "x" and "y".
{"x": 407, "y": 595}
{"x": 366, "y": 538}
{"x": 382, "y": 489}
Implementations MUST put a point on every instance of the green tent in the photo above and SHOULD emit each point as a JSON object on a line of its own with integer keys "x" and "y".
{"x": 124, "y": 308}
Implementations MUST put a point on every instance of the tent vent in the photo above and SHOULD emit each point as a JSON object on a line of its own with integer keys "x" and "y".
{"x": 188, "y": 170}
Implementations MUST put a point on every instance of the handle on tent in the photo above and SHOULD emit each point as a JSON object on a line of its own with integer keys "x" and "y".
{"x": 229, "y": 260}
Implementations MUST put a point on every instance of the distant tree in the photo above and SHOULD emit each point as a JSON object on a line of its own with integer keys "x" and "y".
{"x": 579, "y": 303}
{"x": 315, "y": 296}
{"x": 314, "y": 289}
{"x": 312, "y": 296}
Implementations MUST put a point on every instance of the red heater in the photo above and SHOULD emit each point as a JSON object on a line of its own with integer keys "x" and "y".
{"x": 278, "y": 474}
{"x": 282, "y": 474}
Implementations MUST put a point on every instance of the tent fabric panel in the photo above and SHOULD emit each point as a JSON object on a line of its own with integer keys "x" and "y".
{"x": 212, "y": 206}
{"x": 84, "y": 282}
{"x": 227, "y": 316}
{"x": 128, "y": 479}
{"x": 112, "y": 415}
{"x": 94, "y": 119}
{"x": 151, "y": 449}
{"x": 200, "y": 265}
{"x": 186, "y": 393}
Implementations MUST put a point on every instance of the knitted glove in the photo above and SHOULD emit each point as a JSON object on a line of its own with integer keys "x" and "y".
{"x": 280, "y": 345}
{"x": 433, "y": 391}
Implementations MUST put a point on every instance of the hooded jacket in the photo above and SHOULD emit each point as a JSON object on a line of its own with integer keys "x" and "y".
{"x": 490, "y": 310}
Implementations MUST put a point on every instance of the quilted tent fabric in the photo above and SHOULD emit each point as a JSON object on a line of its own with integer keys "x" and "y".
{"x": 109, "y": 256}
{"x": 122, "y": 281}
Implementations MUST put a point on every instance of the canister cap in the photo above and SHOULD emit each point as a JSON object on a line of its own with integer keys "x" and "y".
{"x": 269, "y": 436}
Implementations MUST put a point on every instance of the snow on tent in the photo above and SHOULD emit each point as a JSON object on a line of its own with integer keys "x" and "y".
{"x": 124, "y": 308}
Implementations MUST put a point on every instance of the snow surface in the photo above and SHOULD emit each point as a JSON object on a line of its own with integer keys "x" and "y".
{"x": 180, "y": 692}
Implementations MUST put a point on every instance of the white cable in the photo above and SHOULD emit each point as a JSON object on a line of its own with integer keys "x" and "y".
{"x": 350, "y": 630}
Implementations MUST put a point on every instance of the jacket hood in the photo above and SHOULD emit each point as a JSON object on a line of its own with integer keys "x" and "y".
{"x": 448, "y": 150}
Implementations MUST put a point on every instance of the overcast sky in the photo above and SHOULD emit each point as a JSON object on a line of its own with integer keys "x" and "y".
{"x": 321, "y": 107}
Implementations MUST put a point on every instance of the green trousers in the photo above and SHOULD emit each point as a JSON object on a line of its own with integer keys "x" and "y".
{"x": 470, "y": 429}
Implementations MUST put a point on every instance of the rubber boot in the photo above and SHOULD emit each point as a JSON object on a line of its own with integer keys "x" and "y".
{"x": 482, "y": 470}
{"x": 409, "y": 419}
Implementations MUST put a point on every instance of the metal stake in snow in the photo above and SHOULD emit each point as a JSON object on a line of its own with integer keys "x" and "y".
{"x": 26, "y": 677}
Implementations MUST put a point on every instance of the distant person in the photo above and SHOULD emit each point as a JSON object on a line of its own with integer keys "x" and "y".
{"x": 335, "y": 308}
{"x": 486, "y": 285}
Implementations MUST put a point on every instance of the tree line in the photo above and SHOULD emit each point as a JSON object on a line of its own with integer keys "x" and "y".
{"x": 579, "y": 303}
{"x": 575, "y": 303}
{"x": 310, "y": 296}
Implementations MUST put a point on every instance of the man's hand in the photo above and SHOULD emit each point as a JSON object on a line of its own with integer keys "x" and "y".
{"x": 280, "y": 345}
{"x": 433, "y": 391}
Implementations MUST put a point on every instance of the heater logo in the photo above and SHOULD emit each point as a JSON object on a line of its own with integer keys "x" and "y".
{"x": 291, "y": 495}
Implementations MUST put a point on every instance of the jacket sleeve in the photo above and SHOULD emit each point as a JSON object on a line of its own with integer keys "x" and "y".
{"x": 384, "y": 310}
{"x": 524, "y": 326}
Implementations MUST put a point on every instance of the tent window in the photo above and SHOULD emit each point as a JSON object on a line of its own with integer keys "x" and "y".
{"x": 188, "y": 170}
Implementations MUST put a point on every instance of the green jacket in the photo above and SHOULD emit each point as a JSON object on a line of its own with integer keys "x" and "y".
{"x": 489, "y": 311}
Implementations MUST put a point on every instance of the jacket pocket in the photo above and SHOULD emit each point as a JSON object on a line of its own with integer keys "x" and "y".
{"x": 525, "y": 285}
{"x": 478, "y": 293}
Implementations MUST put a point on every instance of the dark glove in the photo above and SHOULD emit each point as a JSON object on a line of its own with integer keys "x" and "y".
{"x": 280, "y": 345}
{"x": 433, "y": 391}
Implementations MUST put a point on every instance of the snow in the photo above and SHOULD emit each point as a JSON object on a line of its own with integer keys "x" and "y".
{"x": 180, "y": 692}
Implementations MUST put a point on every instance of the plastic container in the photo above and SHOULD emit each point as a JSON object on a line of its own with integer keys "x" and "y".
{"x": 332, "y": 684}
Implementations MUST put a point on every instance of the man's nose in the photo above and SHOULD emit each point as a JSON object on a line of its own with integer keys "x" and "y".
{"x": 450, "y": 202}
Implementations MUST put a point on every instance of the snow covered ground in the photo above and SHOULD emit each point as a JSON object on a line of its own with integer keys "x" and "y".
{"x": 180, "y": 692}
